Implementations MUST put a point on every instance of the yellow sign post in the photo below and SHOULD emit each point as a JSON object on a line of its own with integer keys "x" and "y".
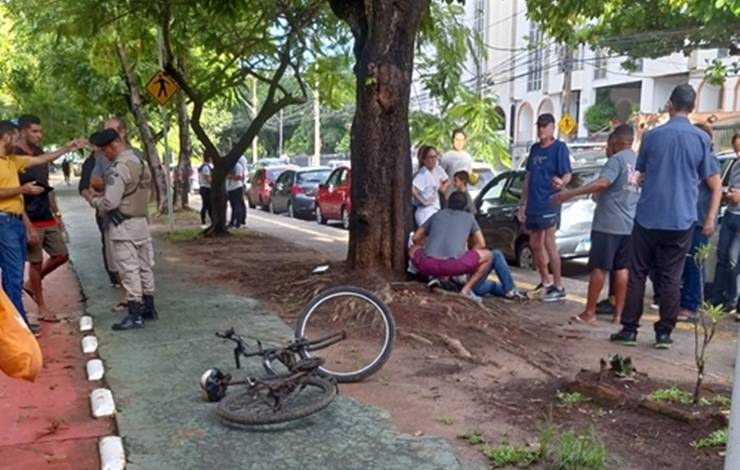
{"x": 567, "y": 125}
{"x": 162, "y": 87}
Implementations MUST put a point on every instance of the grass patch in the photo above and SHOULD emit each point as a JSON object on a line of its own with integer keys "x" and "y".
{"x": 507, "y": 455}
{"x": 571, "y": 399}
{"x": 472, "y": 438}
{"x": 184, "y": 235}
{"x": 722, "y": 401}
{"x": 446, "y": 420}
{"x": 579, "y": 452}
{"x": 672, "y": 395}
{"x": 717, "y": 439}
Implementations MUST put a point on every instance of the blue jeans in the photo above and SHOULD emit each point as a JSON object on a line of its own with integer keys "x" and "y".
{"x": 13, "y": 259}
{"x": 693, "y": 278}
{"x": 501, "y": 269}
{"x": 724, "y": 291}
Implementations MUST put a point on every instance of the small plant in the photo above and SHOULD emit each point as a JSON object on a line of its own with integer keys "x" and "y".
{"x": 709, "y": 316}
{"x": 571, "y": 399}
{"x": 473, "y": 438}
{"x": 446, "y": 420}
{"x": 622, "y": 366}
{"x": 673, "y": 395}
{"x": 722, "y": 401}
{"x": 507, "y": 455}
{"x": 599, "y": 413}
{"x": 579, "y": 452}
{"x": 717, "y": 439}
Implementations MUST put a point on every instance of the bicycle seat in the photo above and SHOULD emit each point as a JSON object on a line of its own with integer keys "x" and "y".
{"x": 308, "y": 364}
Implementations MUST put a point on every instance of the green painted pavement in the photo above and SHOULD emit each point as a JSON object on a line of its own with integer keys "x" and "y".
{"x": 154, "y": 375}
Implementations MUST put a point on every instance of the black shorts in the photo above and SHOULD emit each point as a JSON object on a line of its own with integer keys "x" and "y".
{"x": 609, "y": 252}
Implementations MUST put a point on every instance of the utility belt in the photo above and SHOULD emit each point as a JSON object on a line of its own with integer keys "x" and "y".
{"x": 117, "y": 217}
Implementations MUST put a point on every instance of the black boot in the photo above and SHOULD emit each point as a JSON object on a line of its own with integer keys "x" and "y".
{"x": 150, "y": 312}
{"x": 133, "y": 320}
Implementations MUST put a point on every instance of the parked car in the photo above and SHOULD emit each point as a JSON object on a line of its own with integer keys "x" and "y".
{"x": 496, "y": 210}
{"x": 294, "y": 191}
{"x": 260, "y": 185}
{"x": 333, "y": 197}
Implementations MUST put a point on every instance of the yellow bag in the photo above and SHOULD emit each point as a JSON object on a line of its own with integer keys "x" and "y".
{"x": 473, "y": 177}
{"x": 20, "y": 353}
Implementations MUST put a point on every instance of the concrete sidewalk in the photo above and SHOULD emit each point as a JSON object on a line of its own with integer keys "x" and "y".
{"x": 154, "y": 375}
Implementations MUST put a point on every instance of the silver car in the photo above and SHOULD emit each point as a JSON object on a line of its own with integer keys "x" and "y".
{"x": 496, "y": 211}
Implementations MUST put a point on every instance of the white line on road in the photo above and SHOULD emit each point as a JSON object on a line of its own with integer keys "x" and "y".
{"x": 326, "y": 237}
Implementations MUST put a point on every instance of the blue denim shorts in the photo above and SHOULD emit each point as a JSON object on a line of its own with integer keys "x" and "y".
{"x": 542, "y": 221}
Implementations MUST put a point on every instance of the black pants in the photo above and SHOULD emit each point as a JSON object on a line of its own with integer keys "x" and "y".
{"x": 205, "y": 195}
{"x": 238, "y": 207}
{"x": 663, "y": 251}
{"x": 111, "y": 275}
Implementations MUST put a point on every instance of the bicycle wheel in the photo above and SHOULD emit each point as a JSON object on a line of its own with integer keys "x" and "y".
{"x": 366, "y": 322}
{"x": 253, "y": 407}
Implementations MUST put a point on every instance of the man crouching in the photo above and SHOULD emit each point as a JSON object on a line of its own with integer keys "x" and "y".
{"x": 441, "y": 246}
{"x": 127, "y": 185}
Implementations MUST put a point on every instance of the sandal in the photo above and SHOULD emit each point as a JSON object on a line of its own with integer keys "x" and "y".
{"x": 578, "y": 319}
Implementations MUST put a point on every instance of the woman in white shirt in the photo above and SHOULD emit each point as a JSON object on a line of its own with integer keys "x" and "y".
{"x": 204, "y": 181}
{"x": 428, "y": 182}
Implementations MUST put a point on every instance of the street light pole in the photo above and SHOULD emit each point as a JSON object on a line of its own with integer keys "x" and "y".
{"x": 165, "y": 130}
{"x": 316, "y": 126}
{"x": 732, "y": 458}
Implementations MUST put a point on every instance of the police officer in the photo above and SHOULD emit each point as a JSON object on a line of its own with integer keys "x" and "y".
{"x": 127, "y": 185}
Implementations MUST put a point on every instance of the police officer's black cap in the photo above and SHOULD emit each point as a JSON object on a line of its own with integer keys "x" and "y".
{"x": 545, "y": 119}
{"x": 104, "y": 137}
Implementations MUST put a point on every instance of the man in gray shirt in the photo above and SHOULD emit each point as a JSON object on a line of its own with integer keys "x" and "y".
{"x": 617, "y": 192}
{"x": 724, "y": 290}
{"x": 441, "y": 246}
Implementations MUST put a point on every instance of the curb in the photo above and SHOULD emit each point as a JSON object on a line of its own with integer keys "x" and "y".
{"x": 110, "y": 448}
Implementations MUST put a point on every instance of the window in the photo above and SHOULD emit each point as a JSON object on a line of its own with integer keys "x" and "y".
{"x": 332, "y": 181}
{"x": 579, "y": 57}
{"x": 492, "y": 197}
{"x": 600, "y": 62}
{"x": 534, "y": 62}
{"x": 312, "y": 177}
{"x": 343, "y": 176}
{"x": 514, "y": 191}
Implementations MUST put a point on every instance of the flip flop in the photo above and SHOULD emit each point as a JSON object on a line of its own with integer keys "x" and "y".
{"x": 578, "y": 319}
{"x": 50, "y": 319}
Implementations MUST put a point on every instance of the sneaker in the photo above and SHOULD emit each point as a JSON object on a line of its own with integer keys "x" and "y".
{"x": 554, "y": 294}
{"x": 434, "y": 282}
{"x": 541, "y": 287}
{"x": 35, "y": 329}
{"x": 604, "y": 307}
{"x": 475, "y": 298}
{"x": 517, "y": 294}
{"x": 625, "y": 338}
{"x": 654, "y": 306}
{"x": 663, "y": 341}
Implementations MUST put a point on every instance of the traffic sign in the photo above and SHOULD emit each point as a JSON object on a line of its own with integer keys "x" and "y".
{"x": 567, "y": 125}
{"x": 162, "y": 87}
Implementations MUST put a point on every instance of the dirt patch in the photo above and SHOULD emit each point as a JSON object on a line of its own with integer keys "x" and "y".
{"x": 508, "y": 386}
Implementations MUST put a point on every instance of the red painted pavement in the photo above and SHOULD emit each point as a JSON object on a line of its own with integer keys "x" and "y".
{"x": 47, "y": 424}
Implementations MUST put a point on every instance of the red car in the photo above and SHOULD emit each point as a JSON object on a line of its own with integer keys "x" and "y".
{"x": 258, "y": 193}
{"x": 333, "y": 198}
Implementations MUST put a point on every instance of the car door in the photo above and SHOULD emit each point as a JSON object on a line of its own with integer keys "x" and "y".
{"x": 497, "y": 210}
{"x": 341, "y": 193}
{"x": 325, "y": 194}
{"x": 282, "y": 190}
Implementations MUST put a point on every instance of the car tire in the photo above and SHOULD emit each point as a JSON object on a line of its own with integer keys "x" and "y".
{"x": 291, "y": 214}
{"x": 345, "y": 218}
{"x": 524, "y": 256}
{"x": 319, "y": 216}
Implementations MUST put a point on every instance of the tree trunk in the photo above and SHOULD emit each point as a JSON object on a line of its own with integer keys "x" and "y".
{"x": 137, "y": 109}
{"x": 384, "y": 32}
{"x": 183, "y": 124}
{"x": 218, "y": 197}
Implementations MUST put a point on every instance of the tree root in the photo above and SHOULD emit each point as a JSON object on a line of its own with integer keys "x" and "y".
{"x": 455, "y": 346}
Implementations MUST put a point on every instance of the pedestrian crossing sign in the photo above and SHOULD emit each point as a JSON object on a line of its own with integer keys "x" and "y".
{"x": 162, "y": 87}
{"x": 567, "y": 125}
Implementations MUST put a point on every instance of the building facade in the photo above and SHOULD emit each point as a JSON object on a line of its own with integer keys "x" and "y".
{"x": 529, "y": 80}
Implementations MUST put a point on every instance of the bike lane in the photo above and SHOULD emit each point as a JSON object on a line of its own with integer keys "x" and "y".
{"x": 47, "y": 424}
{"x": 154, "y": 373}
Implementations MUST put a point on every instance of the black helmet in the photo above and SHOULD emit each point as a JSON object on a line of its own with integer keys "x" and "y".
{"x": 213, "y": 384}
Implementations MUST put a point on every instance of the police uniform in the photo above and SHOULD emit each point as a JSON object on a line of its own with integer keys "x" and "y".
{"x": 125, "y": 201}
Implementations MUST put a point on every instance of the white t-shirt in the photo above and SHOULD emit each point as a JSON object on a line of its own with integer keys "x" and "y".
{"x": 454, "y": 161}
{"x": 203, "y": 171}
{"x": 231, "y": 184}
{"x": 427, "y": 183}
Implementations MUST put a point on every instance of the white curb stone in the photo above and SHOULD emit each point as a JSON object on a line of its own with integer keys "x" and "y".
{"x": 101, "y": 401}
{"x": 86, "y": 323}
{"x": 112, "y": 455}
{"x": 95, "y": 370}
{"x": 89, "y": 344}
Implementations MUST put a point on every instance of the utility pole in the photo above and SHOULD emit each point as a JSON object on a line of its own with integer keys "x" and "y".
{"x": 280, "y": 134}
{"x": 565, "y": 96}
{"x": 254, "y": 116}
{"x": 167, "y": 158}
{"x": 732, "y": 458}
{"x": 316, "y": 161}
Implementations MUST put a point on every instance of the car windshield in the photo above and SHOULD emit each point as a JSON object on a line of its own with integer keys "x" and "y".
{"x": 485, "y": 175}
{"x": 273, "y": 173}
{"x": 312, "y": 177}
